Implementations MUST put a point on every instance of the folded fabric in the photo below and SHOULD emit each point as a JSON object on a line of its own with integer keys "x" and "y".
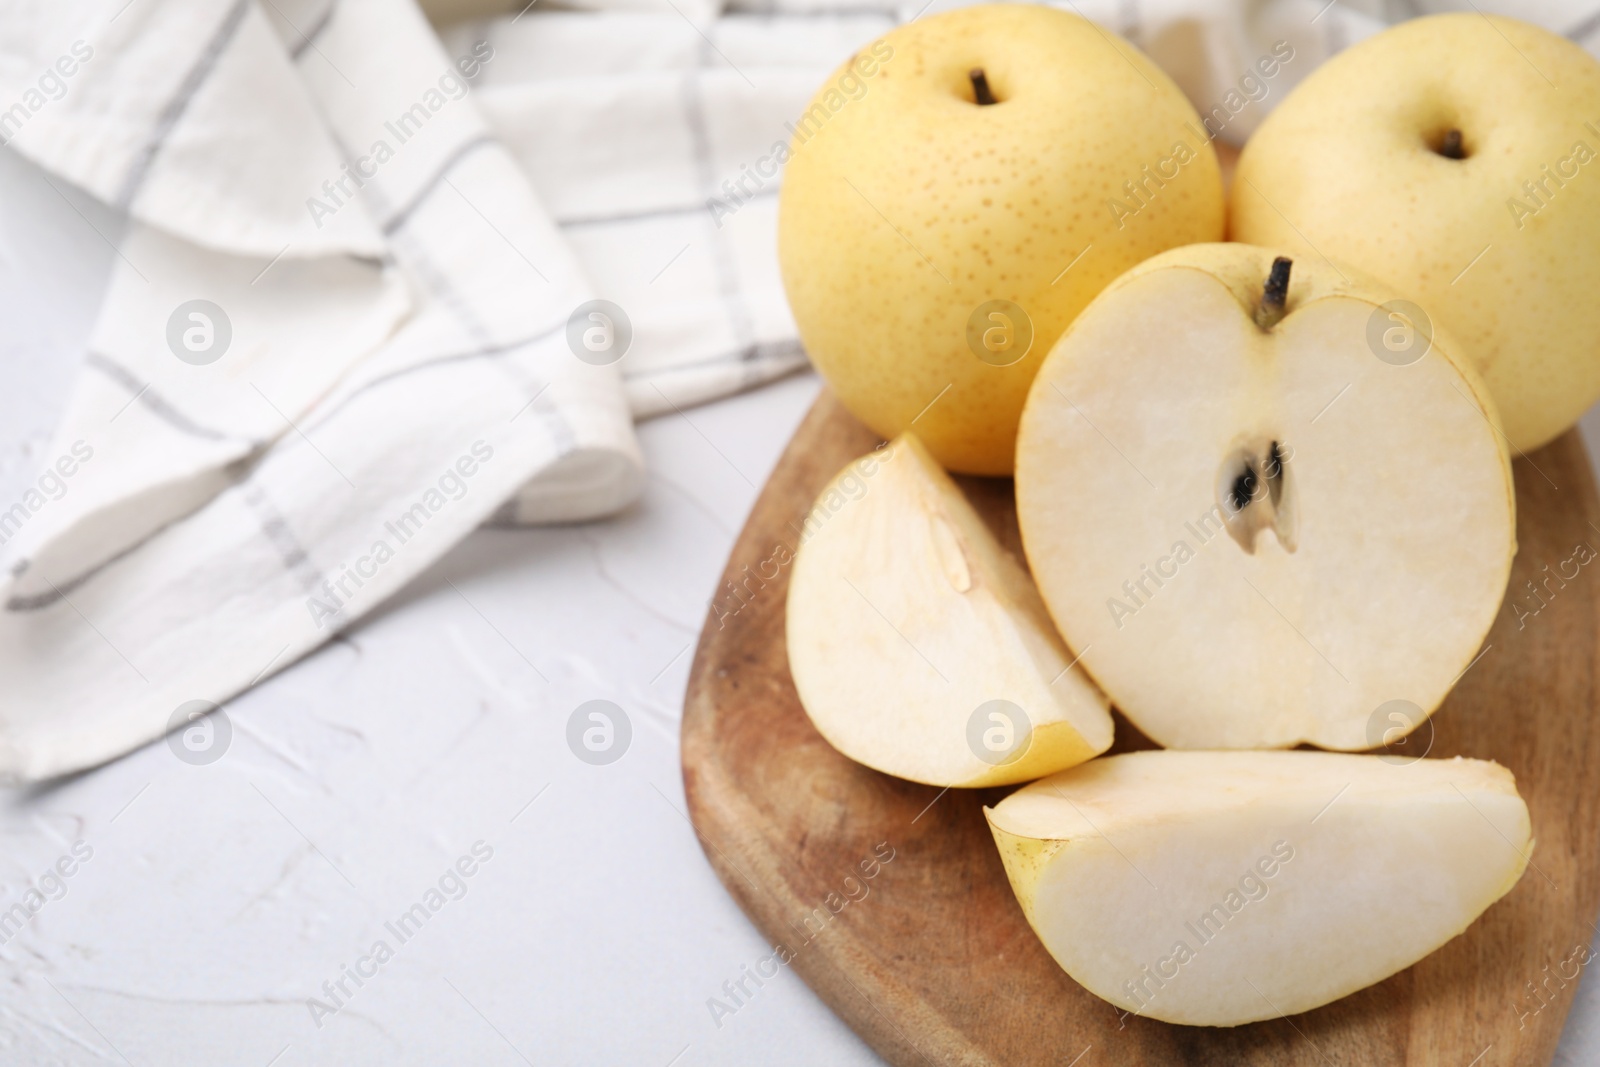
{"x": 656, "y": 159}
{"x": 335, "y": 341}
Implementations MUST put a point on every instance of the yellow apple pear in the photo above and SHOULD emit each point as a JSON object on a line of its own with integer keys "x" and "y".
{"x": 1457, "y": 158}
{"x": 958, "y": 191}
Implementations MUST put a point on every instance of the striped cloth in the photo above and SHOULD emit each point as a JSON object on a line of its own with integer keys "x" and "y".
{"x": 317, "y": 366}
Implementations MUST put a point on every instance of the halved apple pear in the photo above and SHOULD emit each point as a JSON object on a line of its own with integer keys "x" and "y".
{"x": 919, "y": 645}
{"x": 1220, "y": 888}
{"x": 1264, "y": 500}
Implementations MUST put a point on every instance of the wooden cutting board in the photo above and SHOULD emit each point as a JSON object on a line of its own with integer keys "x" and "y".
{"x": 930, "y": 959}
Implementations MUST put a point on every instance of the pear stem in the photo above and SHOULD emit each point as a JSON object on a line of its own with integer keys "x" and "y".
{"x": 1450, "y": 147}
{"x": 980, "y": 87}
{"x": 1275, "y": 294}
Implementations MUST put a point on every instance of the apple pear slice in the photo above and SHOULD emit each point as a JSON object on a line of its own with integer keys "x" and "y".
{"x": 1220, "y": 888}
{"x": 1264, "y": 505}
{"x": 919, "y": 645}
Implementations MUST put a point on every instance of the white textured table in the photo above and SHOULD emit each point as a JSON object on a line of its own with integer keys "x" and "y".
{"x": 218, "y": 899}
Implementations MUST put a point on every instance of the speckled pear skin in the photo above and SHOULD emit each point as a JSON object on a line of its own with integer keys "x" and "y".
{"x": 1491, "y": 246}
{"x": 905, "y": 205}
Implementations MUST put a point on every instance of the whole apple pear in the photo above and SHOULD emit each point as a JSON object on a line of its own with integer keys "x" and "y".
{"x": 958, "y": 191}
{"x": 1455, "y": 158}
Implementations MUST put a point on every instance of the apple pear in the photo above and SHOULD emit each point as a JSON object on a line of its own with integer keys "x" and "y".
{"x": 918, "y": 644}
{"x": 1220, "y": 888}
{"x": 1457, "y": 158}
{"x": 1259, "y": 523}
{"x": 958, "y": 191}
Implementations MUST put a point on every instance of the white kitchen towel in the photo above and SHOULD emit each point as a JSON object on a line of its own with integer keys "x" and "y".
{"x": 335, "y": 341}
{"x": 654, "y": 143}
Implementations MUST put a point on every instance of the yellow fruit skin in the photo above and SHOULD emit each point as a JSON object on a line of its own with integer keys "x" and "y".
{"x": 1054, "y": 745}
{"x": 905, "y": 206}
{"x": 1345, "y": 168}
{"x": 1025, "y": 859}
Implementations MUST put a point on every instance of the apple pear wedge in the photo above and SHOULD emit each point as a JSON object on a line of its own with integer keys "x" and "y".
{"x": 919, "y": 646}
{"x": 1266, "y": 507}
{"x": 1221, "y": 888}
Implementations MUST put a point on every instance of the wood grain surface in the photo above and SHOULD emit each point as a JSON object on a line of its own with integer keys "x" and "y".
{"x": 888, "y": 897}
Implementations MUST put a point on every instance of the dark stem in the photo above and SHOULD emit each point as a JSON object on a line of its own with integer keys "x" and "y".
{"x": 980, "y": 86}
{"x": 1274, "y": 474}
{"x": 1450, "y": 147}
{"x": 1274, "y": 294}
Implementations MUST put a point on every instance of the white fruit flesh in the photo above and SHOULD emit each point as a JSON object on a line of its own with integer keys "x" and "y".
{"x": 1220, "y": 888}
{"x": 1373, "y": 579}
{"x": 906, "y": 616}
